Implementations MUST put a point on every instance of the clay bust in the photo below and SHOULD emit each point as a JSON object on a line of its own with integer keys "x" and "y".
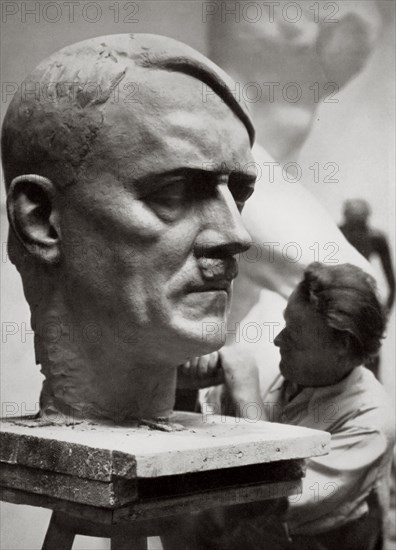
{"x": 125, "y": 185}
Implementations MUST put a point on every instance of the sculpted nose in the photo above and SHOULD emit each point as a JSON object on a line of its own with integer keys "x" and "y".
{"x": 224, "y": 233}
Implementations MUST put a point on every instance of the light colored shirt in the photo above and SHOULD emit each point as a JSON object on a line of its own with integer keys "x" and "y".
{"x": 360, "y": 419}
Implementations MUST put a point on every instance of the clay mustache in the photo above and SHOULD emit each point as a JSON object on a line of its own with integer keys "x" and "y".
{"x": 217, "y": 273}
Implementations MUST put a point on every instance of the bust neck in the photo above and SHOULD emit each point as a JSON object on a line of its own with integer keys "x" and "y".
{"x": 90, "y": 373}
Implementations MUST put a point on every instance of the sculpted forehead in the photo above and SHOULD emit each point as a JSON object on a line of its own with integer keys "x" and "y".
{"x": 77, "y": 91}
{"x": 170, "y": 123}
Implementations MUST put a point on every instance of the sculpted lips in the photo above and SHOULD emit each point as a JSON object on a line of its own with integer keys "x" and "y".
{"x": 218, "y": 270}
{"x": 211, "y": 291}
{"x": 216, "y": 274}
{"x": 208, "y": 287}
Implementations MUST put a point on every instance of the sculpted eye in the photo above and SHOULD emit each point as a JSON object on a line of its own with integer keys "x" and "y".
{"x": 170, "y": 193}
{"x": 169, "y": 200}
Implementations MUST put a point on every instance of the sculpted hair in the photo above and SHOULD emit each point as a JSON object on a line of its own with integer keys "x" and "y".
{"x": 346, "y": 297}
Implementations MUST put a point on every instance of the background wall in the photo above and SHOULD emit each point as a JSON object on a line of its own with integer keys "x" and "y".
{"x": 357, "y": 133}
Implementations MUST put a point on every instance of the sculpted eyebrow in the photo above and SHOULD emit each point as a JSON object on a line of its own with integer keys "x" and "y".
{"x": 153, "y": 181}
{"x": 150, "y": 181}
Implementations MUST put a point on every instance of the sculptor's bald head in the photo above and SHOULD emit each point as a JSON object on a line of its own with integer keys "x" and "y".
{"x": 126, "y": 174}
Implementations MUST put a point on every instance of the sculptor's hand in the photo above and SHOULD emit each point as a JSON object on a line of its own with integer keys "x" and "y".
{"x": 201, "y": 372}
{"x": 233, "y": 367}
{"x": 242, "y": 382}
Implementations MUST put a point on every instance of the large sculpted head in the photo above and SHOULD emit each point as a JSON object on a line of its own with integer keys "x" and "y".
{"x": 126, "y": 160}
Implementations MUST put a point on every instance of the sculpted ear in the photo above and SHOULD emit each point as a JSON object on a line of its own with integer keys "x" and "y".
{"x": 33, "y": 216}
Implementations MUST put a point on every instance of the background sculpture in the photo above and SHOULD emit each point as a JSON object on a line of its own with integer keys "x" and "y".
{"x": 301, "y": 55}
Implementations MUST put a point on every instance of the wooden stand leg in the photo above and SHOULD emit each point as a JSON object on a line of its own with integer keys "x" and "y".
{"x": 58, "y": 536}
{"x": 128, "y": 542}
